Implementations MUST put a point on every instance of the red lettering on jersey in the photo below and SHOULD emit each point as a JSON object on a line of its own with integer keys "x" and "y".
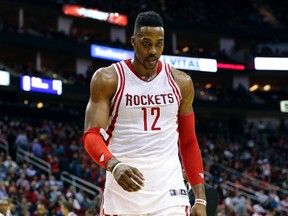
{"x": 144, "y": 100}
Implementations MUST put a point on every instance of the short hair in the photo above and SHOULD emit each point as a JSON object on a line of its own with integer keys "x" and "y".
{"x": 68, "y": 205}
{"x": 148, "y": 18}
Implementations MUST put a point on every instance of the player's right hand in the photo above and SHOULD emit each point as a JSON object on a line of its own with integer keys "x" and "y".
{"x": 129, "y": 178}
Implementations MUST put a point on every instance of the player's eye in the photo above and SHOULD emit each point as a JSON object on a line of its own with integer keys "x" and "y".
{"x": 147, "y": 44}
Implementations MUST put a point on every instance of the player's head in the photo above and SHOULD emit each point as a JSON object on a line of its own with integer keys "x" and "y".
{"x": 149, "y": 18}
{"x": 148, "y": 38}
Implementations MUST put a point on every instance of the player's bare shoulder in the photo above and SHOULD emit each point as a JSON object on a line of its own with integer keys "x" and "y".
{"x": 105, "y": 75}
{"x": 105, "y": 81}
{"x": 183, "y": 80}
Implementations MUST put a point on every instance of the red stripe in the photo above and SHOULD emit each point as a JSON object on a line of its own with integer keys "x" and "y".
{"x": 187, "y": 211}
{"x": 122, "y": 83}
{"x": 172, "y": 84}
{"x": 117, "y": 93}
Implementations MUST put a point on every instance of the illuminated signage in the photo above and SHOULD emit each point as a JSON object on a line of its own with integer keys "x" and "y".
{"x": 271, "y": 63}
{"x": 41, "y": 85}
{"x": 284, "y": 106}
{"x": 230, "y": 66}
{"x": 179, "y": 62}
{"x": 79, "y": 11}
{"x": 108, "y": 53}
{"x": 187, "y": 63}
{"x": 4, "y": 78}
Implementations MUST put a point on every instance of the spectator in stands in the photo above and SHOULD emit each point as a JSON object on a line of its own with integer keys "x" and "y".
{"x": 79, "y": 195}
{"x": 37, "y": 148}
{"x": 3, "y": 169}
{"x": 228, "y": 204}
{"x": 284, "y": 204}
{"x": 30, "y": 171}
{"x": 5, "y": 207}
{"x": 55, "y": 193}
{"x": 21, "y": 140}
{"x": 67, "y": 209}
{"x": 239, "y": 203}
{"x": 72, "y": 199}
{"x": 41, "y": 180}
{"x": 10, "y": 165}
{"x": 3, "y": 191}
{"x": 41, "y": 210}
{"x": 262, "y": 197}
{"x": 90, "y": 212}
{"x": 22, "y": 182}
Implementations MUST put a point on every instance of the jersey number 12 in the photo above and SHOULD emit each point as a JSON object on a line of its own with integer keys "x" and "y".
{"x": 154, "y": 111}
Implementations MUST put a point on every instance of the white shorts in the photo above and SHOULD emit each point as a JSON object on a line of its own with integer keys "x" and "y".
{"x": 170, "y": 211}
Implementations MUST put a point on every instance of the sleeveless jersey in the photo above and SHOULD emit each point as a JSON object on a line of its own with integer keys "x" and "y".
{"x": 143, "y": 133}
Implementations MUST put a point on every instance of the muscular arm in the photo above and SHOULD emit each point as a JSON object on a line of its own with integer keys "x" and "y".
{"x": 189, "y": 149}
{"x": 103, "y": 86}
{"x": 102, "y": 89}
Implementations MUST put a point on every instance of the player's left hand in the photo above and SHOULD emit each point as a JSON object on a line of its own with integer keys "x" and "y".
{"x": 198, "y": 210}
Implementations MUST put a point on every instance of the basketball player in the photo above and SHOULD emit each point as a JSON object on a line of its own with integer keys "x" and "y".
{"x": 138, "y": 110}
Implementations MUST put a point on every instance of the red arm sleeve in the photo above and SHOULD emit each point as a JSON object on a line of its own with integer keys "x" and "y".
{"x": 189, "y": 150}
{"x": 96, "y": 147}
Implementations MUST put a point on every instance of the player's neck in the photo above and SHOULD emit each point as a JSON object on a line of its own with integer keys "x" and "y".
{"x": 144, "y": 73}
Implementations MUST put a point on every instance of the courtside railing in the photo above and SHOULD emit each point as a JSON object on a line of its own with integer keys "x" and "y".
{"x": 34, "y": 160}
{"x": 4, "y": 145}
{"x": 249, "y": 193}
{"x": 80, "y": 183}
{"x": 65, "y": 177}
{"x": 253, "y": 182}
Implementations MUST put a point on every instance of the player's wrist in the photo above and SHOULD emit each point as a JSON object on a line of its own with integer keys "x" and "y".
{"x": 200, "y": 201}
{"x": 111, "y": 163}
{"x": 115, "y": 167}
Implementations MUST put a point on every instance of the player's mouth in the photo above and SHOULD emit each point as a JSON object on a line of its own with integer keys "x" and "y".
{"x": 152, "y": 61}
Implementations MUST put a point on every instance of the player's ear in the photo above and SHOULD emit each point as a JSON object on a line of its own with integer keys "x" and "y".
{"x": 132, "y": 41}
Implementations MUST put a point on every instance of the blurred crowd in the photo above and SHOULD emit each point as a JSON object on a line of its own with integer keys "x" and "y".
{"x": 204, "y": 12}
{"x": 246, "y": 162}
{"x": 27, "y": 186}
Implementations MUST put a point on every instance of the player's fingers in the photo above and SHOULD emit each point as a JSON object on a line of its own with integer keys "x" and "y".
{"x": 137, "y": 179}
{"x": 133, "y": 184}
{"x": 128, "y": 183}
{"x": 138, "y": 173}
{"x": 125, "y": 185}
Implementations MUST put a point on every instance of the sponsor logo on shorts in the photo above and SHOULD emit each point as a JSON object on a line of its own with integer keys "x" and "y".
{"x": 178, "y": 192}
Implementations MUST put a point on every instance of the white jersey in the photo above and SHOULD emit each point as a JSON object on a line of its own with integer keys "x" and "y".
{"x": 143, "y": 133}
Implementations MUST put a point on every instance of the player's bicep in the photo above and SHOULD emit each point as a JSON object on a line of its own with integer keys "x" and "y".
{"x": 102, "y": 89}
{"x": 186, "y": 86}
{"x": 97, "y": 114}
